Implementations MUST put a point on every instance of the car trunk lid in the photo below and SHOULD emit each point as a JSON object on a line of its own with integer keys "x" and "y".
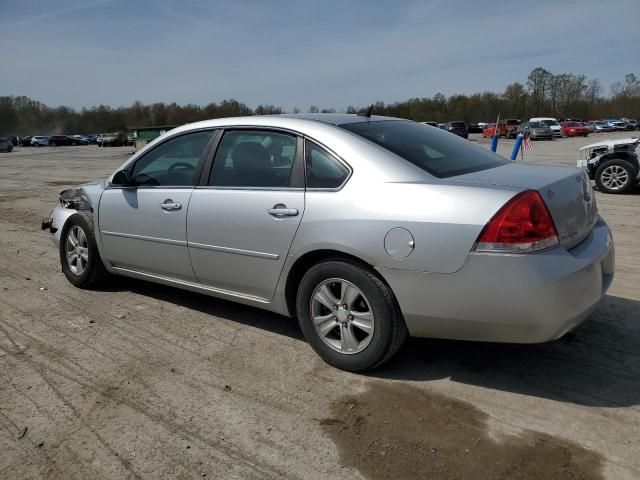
{"x": 566, "y": 191}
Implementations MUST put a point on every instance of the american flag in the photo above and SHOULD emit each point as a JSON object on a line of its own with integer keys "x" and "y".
{"x": 527, "y": 143}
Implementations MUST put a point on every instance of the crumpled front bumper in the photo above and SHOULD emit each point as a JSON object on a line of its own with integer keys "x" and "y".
{"x": 56, "y": 220}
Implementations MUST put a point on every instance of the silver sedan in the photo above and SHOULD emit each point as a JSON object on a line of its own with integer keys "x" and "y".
{"x": 367, "y": 229}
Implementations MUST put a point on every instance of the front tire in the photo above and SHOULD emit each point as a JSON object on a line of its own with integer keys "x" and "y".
{"x": 79, "y": 255}
{"x": 615, "y": 176}
{"x": 349, "y": 316}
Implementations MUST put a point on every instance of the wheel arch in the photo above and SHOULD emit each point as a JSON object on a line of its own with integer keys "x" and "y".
{"x": 311, "y": 258}
{"x": 627, "y": 157}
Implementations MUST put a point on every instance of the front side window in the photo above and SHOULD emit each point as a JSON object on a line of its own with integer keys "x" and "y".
{"x": 323, "y": 169}
{"x": 254, "y": 158}
{"x": 435, "y": 151}
{"x": 172, "y": 163}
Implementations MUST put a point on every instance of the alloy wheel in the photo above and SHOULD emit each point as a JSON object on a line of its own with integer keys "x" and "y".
{"x": 614, "y": 177}
{"x": 342, "y": 316}
{"x": 77, "y": 250}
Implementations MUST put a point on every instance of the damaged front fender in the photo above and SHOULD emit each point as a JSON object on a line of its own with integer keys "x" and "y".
{"x": 81, "y": 199}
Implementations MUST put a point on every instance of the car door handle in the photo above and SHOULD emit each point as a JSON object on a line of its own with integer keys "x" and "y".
{"x": 281, "y": 210}
{"x": 169, "y": 205}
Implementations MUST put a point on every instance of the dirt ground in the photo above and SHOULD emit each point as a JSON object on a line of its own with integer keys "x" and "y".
{"x": 144, "y": 381}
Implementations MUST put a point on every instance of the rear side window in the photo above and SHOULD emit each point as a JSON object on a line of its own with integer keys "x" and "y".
{"x": 323, "y": 169}
{"x": 254, "y": 158}
{"x": 435, "y": 151}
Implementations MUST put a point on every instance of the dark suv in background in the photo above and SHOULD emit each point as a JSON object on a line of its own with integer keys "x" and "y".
{"x": 58, "y": 140}
{"x": 458, "y": 128}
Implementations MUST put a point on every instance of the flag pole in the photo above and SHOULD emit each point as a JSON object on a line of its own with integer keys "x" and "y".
{"x": 496, "y": 136}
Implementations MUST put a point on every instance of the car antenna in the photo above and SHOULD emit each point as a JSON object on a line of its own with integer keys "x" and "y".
{"x": 367, "y": 113}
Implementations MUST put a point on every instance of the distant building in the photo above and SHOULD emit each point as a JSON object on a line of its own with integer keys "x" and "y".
{"x": 143, "y": 135}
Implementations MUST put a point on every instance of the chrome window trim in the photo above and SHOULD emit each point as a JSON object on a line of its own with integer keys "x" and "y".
{"x": 268, "y": 189}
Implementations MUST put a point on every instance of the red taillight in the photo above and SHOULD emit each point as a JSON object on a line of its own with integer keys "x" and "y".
{"x": 523, "y": 225}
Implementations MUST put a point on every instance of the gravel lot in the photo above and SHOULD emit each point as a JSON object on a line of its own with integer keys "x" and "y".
{"x": 144, "y": 381}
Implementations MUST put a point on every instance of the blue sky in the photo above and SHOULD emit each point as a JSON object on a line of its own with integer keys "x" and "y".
{"x": 328, "y": 53}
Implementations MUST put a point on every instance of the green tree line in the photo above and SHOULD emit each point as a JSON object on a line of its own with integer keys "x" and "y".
{"x": 542, "y": 94}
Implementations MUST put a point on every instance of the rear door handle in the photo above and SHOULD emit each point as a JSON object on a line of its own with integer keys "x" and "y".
{"x": 281, "y": 210}
{"x": 169, "y": 205}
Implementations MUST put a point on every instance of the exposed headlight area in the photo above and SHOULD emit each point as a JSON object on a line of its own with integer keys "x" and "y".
{"x": 75, "y": 198}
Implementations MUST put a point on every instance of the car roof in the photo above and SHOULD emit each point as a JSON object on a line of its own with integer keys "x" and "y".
{"x": 336, "y": 118}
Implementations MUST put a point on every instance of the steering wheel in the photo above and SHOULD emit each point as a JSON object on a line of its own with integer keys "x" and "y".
{"x": 180, "y": 165}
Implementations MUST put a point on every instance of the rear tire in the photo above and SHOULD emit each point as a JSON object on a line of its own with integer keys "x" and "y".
{"x": 362, "y": 336}
{"x": 79, "y": 255}
{"x": 615, "y": 176}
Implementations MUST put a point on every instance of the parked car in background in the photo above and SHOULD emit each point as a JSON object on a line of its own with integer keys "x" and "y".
{"x": 613, "y": 164}
{"x": 616, "y": 124}
{"x": 551, "y": 122}
{"x": 574, "y": 129}
{"x": 590, "y": 126}
{"x": 508, "y": 127}
{"x": 474, "y": 128}
{"x": 65, "y": 140}
{"x": 294, "y": 218}
{"x": 39, "y": 141}
{"x": 6, "y": 145}
{"x": 118, "y": 139}
{"x": 81, "y": 139}
{"x": 601, "y": 127}
{"x": 457, "y": 128}
{"x": 535, "y": 130}
{"x": 632, "y": 124}
{"x": 92, "y": 138}
{"x": 25, "y": 141}
{"x": 489, "y": 131}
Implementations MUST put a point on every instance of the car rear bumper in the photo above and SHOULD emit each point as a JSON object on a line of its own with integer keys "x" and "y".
{"x": 508, "y": 298}
{"x": 536, "y": 136}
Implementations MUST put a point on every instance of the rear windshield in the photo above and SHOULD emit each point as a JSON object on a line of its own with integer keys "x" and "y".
{"x": 438, "y": 152}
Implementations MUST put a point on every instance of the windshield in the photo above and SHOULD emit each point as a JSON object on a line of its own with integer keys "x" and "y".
{"x": 550, "y": 122}
{"x": 437, "y": 152}
{"x": 537, "y": 125}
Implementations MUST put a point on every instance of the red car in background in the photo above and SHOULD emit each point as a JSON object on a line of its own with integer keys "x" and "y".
{"x": 489, "y": 130}
{"x": 574, "y": 129}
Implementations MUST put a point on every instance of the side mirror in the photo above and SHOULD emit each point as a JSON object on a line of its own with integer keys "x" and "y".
{"x": 123, "y": 178}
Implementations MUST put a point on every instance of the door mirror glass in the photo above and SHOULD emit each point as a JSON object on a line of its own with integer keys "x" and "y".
{"x": 122, "y": 177}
